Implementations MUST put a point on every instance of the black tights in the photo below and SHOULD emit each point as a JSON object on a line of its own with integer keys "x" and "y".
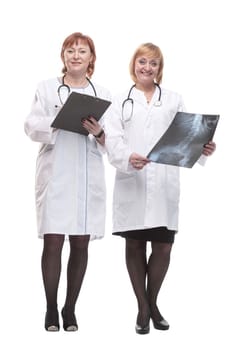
{"x": 147, "y": 276}
{"x": 51, "y": 268}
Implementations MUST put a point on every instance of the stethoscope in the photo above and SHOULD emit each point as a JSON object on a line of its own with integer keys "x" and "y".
{"x": 126, "y": 117}
{"x": 64, "y": 90}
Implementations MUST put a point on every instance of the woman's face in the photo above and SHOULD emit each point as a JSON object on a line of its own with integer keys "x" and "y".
{"x": 77, "y": 58}
{"x": 146, "y": 69}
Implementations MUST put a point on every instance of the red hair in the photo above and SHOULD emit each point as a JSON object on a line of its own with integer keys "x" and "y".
{"x": 75, "y": 38}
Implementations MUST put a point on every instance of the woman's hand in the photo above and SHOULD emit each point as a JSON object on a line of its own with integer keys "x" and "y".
{"x": 209, "y": 148}
{"x": 138, "y": 162}
{"x": 91, "y": 125}
{"x": 94, "y": 128}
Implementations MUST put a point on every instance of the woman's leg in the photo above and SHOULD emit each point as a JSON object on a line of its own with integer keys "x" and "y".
{"x": 75, "y": 273}
{"x": 157, "y": 268}
{"x": 51, "y": 270}
{"x": 136, "y": 263}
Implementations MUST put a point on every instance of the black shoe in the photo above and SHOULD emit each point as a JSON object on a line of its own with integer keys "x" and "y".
{"x": 162, "y": 324}
{"x": 142, "y": 330}
{"x": 145, "y": 329}
{"x": 69, "y": 321}
{"x": 52, "y": 321}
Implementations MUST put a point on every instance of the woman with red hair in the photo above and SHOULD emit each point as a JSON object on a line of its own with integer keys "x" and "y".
{"x": 70, "y": 179}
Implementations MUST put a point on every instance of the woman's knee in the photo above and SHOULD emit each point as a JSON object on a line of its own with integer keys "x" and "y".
{"x": 80, "y": 242}
{"x": 163, "y": 249}
{"x": 135, "y": 245}
{"x": 53, "y": 242}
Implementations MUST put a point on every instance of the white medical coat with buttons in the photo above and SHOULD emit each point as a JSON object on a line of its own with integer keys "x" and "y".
{"x": 70, "y": 177}
{"x": 149, "y": 197}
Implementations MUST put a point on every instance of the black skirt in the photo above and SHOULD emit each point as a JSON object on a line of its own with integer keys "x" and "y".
{"x": 157, "y": 234}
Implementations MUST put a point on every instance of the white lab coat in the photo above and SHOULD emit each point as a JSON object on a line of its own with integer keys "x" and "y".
{"x": 70, "y": 178}
{"x": 149, "y": 197}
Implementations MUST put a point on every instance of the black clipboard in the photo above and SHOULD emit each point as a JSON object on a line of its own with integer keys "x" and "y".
{"x": 78, "y": 107}
{"x": 182, "y": 143}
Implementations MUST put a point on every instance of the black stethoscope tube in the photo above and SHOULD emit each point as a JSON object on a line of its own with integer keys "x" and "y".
{"x": 63, "y": 85}
{"x": 129, "y": 99}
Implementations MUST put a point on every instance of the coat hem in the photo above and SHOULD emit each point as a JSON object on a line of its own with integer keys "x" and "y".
{"x": 92, "y": 236}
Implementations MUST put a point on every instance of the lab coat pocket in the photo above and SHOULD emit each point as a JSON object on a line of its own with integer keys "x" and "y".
{"x": 96, "y": 175}
{"x": 174, "y": 184}
{"x": 44, "y": 165}
{"x": 125, "y": 199}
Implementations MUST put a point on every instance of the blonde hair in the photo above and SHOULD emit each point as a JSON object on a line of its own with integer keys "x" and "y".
{"x": 150, "y": 50}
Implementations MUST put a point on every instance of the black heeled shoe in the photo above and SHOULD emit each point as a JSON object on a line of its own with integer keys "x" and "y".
{"x": 69, "y": 322}
{"x": 142, "y": 330}
{"x": 52, "y": 321}
{"x": 162, "y": 324}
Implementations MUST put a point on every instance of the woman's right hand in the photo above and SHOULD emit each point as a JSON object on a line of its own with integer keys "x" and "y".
{"x": 138, "y": 162}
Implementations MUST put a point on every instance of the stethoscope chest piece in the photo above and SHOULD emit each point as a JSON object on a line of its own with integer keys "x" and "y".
{"x": 158, "y": 103}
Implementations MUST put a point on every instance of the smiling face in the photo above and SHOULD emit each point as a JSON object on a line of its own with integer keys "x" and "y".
{"x": 78, "y": 54}
{"x": 77, "y": 58}
{"x": 146, "y": 69}
{"x": 147, "y": 64}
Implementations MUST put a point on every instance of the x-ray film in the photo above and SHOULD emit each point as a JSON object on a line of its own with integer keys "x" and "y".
{"x": 182, "y": 143}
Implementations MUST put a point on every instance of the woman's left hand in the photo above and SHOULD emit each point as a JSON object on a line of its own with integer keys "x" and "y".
{"x": 209, "y": 148}
{"x": 91, "y": 125}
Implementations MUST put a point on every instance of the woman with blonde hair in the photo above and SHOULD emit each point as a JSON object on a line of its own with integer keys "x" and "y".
{"x": 146, "y": 194}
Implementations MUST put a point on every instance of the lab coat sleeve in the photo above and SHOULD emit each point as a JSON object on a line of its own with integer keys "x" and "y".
{"x": 101, "y": 148}
{"x": 202, "y": 160}
{"x": 117, "y": 150}
{"x": 37, "y": 124}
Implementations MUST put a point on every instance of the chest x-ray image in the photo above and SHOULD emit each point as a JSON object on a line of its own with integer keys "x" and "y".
{"x": 182, "y": 143}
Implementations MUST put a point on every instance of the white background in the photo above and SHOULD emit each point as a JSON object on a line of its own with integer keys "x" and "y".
{"x": 196, "y": 298}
